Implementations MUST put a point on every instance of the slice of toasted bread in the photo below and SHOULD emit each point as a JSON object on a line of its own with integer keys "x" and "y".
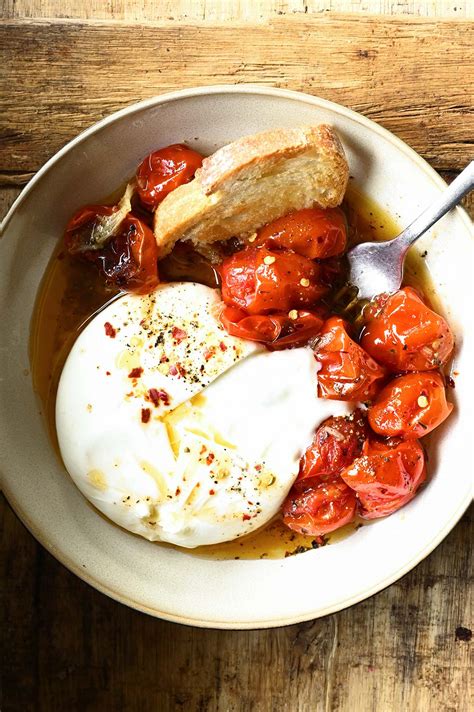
{"x": 252, "y": 181}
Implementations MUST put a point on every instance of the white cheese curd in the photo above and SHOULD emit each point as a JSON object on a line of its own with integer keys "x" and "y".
{"x": 211, "y": 454}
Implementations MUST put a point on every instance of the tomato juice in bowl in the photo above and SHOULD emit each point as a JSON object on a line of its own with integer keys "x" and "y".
{"x": 391, "y": 545}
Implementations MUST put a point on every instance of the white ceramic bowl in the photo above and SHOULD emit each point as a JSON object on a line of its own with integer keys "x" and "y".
{"x": 169, "y": 583}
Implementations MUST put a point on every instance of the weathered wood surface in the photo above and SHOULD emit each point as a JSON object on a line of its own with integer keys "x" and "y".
{"x": 415, "y": 77}
{"x": 68, "y": 647}
{"x": 228, "y": 10}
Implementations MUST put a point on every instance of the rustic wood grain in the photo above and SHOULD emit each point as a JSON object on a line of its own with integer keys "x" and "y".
{"x": 71, "y": 648}
{"x": 415, "y": 77}
{"x": 227, "y": 10}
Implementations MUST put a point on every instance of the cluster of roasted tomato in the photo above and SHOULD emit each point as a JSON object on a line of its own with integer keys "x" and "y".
{"x": 370, "y": 462}
{"x": 119, "y": 240}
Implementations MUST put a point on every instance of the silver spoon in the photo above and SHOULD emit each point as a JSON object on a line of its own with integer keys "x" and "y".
{"x": 376, "y": 267}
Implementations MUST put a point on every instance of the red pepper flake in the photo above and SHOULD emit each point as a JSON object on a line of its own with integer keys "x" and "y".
{"x": 178, "y": 492}
{"x": 109, "y": 330}
{"x": 245, "y": 517}
{"x": 163, "y": 358}
{"x": 222, "y": 346}
{"x": 135, "y": 372}
{"x": 107, "y": 373}
{"x": 209, "y": 353}
{"x": 210, "y": 458}
{"x": 178, "y": 334}
{"x": 211, "y": 491}
{"x": 203, "y": 449}
{"x": 181, "y": 370}
{"x": 145, "y": 415}
{"x": 158, "y": 397}
{"x": 258, "y": 467}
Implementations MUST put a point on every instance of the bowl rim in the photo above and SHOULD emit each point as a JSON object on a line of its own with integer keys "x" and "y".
{"x": 176, "y": 96}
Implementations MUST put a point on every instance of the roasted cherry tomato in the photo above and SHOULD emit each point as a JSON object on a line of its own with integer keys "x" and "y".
{"x": 259, "y": 281}
{"x": 128, "y": 259}
{"x": 336, "y": 443}
{"x": 313, "y": 232}
{"x": 163, "y": 171}
{"x": 278, "y": 330}
{"x": 144, "y": 252}
{"x": 320, "y": 509}
{"x": 347, "y": 372}
{"x": 406, "y": 335}
{"x": 410, "y": 406}
{"x": 386, "y": 476}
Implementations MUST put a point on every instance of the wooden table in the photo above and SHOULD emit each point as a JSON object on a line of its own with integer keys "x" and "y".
{"x": 71, "y": 648}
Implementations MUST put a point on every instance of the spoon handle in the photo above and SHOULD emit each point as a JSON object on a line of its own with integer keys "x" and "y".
{"x": 447, "y": 200}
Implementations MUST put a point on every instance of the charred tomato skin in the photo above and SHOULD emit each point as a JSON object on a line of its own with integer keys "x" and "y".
{"x": 129, "y": 260}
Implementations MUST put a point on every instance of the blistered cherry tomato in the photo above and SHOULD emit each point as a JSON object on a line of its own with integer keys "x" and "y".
{"x": 320, "y": 509}
{"x": 128, "y": 260}
{"x": 259, "y": 281}
{"x": 347, "y": 372}
{"x": 163, "y": 171}
{"x": 312, "y": 232}
{"x": 386, "y": 476}
{"x": 278, "y": 330}
{"x": 336, "y": 443}
{"x": 406, "y": 335}
{"x": 144, "y": 252}
{"x": 410, "y": 406}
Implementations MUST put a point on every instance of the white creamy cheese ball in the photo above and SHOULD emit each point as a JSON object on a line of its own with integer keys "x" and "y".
{"x": 177, "y": 431}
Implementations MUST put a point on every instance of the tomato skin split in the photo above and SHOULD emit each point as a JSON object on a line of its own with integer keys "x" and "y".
{"x": 410, "y": 406}
{"x": 406, "y": 335}
{"x": 320, "y": 509}
{"x": 275, "y": 330}
{"x": 261, "y": 281}
{"x": 386, "y": 476}
{"x": 128, "y": 260}
{"x": 347, "y": 372}
{"x": 336, "y": 443}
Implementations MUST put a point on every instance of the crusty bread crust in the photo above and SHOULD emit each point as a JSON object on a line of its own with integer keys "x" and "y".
{"x": 252, "y": 181}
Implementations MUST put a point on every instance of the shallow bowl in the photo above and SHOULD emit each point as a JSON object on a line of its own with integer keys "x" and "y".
{"x": 174, "y": 584}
